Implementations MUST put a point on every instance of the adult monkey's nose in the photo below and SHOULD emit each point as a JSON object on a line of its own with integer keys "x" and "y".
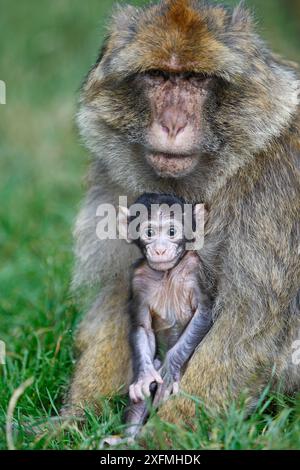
{"x": 173, "y": 121}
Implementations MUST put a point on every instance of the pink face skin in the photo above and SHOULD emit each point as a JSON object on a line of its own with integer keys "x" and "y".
{"x": 163, "y": 242}
{"x": 175, "y": 130}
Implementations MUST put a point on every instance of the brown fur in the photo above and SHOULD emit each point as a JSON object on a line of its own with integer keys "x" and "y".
{"x": 247, "y": 173}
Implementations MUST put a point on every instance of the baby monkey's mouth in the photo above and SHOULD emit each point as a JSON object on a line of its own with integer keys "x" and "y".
{"x": 159, "y": 264}
{"x": 172, "y": 165}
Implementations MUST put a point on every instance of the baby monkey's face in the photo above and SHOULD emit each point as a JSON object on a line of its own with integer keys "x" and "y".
{"x": 163, "y": 243}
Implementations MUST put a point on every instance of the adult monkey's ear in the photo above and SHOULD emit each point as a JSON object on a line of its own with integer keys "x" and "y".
{"x": 113, "y": 57}
{"x": 242, "y": 19}
{"x": 123, "y": 222}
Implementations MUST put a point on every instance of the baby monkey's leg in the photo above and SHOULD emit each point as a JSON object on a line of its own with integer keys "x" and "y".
{"x": 137, "y": 413}
{"x": 143, "y": 345}
{"x": 135, "y": 417}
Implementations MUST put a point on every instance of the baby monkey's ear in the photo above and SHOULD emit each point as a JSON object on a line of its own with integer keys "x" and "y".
{"x": 123, "y": 222}
{"x": 200, "y": 213}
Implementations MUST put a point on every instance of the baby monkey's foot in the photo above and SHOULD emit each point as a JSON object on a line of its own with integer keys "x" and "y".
{"x": 112, "y": 441}
{"x": 141, "y": 388}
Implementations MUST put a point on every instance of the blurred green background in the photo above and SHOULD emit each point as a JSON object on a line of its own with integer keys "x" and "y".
{"x": 46, "y": 48}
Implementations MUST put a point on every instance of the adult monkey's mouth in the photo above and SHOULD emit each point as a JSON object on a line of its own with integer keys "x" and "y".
{"x": 172, "y": 165}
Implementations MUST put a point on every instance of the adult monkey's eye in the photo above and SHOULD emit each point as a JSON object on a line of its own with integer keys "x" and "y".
{"x": 156, "y": 73}
{"x": 156, "y": 76}
{"x": 172, "y": 232}
{"x": 197, "y": 79}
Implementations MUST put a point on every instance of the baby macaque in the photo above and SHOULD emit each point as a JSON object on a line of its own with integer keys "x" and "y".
{"x": 170, "y": 314}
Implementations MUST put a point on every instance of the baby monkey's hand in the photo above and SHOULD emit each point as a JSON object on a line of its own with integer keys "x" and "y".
{"x": 141, "y": 388}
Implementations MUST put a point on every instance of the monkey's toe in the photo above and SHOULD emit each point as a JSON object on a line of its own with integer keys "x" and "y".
{"x": 112, "y": 441}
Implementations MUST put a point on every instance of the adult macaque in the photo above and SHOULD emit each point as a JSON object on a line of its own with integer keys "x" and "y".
{"x": 186, "y": 99}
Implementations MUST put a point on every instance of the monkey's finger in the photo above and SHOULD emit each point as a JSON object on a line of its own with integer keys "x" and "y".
{"x": 175, "y": 388}
{"x": 157, "y": 378}
{"x": 146, "y": 389}
{"x": 158, "y": 396}
{"x": 151, "y": 381}
{"x": 139, "y": 392}
{"x": 132, "y": 394}
{"x": 166, "y": 395}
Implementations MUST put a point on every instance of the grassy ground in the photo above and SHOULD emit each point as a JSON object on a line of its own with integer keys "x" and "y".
{"x": 45, "y": 49}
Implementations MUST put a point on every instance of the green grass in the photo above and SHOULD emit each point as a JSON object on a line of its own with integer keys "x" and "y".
{"x": 45, "y": 50}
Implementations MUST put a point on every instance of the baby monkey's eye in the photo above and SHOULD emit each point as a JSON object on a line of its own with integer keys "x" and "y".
{"x": 172, "y": 232}
{"x": 149, "y": 232}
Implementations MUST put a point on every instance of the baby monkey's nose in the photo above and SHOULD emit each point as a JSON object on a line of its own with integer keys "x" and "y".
{"x": 160, "y": 251}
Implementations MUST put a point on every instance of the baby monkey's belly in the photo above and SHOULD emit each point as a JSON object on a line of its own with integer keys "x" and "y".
{"x": 172, "y": 297}
{"x": 169, "y": 321}
{"x": 166, "y": 336}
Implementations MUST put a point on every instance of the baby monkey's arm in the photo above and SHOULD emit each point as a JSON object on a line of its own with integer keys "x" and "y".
{"x": 194, "y": 333}
{"x": 180, "y": 353}
{"x": 143, "y": 346}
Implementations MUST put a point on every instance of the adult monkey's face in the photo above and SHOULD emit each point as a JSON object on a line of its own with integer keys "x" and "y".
{"x": 183, "y": 86}
{"x": 175, "y": 131}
